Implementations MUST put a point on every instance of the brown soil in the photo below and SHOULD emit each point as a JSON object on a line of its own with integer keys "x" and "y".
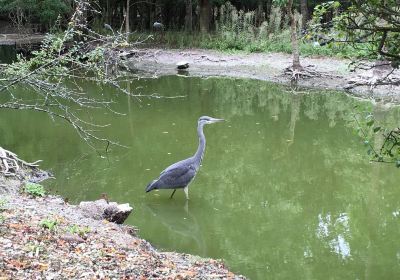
{"x": 333, "y": 73}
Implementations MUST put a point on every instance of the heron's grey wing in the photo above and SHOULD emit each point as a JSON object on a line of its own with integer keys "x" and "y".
{"x": 177, "y": 177}
{"x": 179, "y": 164}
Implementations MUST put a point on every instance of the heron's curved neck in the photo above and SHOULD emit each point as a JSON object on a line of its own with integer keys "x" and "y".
{"x": 202, "y": 143}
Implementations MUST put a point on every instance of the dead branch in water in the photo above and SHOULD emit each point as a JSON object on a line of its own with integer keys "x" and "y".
{"x": 10, "y": 163}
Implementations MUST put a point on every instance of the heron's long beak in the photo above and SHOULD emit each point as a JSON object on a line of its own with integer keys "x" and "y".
{"x": 217, "y": 120}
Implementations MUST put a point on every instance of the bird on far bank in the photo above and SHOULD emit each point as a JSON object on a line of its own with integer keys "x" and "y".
{"x": 108, "y": 27}
{"x": 158, "y": 26}
{"x": 179, "y": 175}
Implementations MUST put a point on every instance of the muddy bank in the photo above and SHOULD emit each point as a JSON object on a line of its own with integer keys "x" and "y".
{"x": 45, "y": 237}
{"x": 334, "y": 73}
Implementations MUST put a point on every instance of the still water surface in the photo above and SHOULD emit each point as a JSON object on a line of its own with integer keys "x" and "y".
{"x": 285, "y": 191}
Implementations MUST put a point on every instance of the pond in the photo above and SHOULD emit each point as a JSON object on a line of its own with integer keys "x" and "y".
{"x": 286, "y": 190}
{"x": 8, "y": 52}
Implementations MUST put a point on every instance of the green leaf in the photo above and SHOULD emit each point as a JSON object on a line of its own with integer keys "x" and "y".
{"x": 370, "y": 123}
{"x": 377, "y": 128}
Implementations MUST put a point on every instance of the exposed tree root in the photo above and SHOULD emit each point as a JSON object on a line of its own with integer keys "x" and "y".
{"x": 372, "y": 82}
{"x": 381, "y": 74}
{"x": 10, "y": 164}
{"x": 301, "y": 72}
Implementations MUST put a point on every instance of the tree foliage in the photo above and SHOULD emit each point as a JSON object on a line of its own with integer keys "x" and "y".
{"x": 371, "y": 26}
{"x": 44, "y": 12}
{"x": 383, "y": 144}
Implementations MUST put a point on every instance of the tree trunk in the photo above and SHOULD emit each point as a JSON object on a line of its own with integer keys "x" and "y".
{"x": 135, "y": 14}
{"x": 127, "y": 15}
{"x": 293, "y": 36}
{"x": 189, "y": 16}
{"x": 151, "y": 13}
{"x": 304, "y": 13}
{"x": 205, "y": 10}
{"x": 259, "y": 14}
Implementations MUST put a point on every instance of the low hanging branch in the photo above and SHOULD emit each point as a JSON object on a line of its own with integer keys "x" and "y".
{"x": 50, "y": 81}
{"x": 372, "y": 28}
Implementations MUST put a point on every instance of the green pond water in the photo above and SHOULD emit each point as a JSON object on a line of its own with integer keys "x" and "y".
{"x": 8, "y": 53}
{"x": 286, "y": 190}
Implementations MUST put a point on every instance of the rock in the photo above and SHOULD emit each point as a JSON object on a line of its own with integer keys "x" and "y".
{"x": 127, "y": 54}
{"x": 182, "y": 65}
{"x": 38, "y": 176}
{"x": 72, "y": 238}
{"x": 101, "y": 209}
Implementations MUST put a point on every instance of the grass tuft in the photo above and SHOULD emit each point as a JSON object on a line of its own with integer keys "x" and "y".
{"x": 34, "y": 190}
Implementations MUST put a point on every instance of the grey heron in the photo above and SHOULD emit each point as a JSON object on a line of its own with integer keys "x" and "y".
{"x": 107, "y": 26}
{"x": 180, "y": 174}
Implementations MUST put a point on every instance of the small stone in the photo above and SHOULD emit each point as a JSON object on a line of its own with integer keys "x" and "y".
{"x": 72, "y": 238}
{"x": 182, "y": 65}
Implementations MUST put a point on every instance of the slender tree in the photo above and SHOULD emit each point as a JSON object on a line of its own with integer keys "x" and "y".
{"x": 189, "y": 16}
{"x": 293, "y": 37}
{"x": 260, "y": 13}
{"x": 205, "y": 11}
{"x": 304, "y": 13}
{"x": 127, "y": 15}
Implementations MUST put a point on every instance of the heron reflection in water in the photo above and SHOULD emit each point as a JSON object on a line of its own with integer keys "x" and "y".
{"x": 179, "y": 175}
{"x": 181, "y": 227}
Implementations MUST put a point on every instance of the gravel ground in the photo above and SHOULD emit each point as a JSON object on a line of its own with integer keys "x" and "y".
{"x": 46, "y": 238}
{"x": 333, "y": 73}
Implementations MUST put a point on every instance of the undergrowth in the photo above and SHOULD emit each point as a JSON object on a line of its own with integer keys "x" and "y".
{"x": 279, "y": 43}
{"x": 236, "y": 30}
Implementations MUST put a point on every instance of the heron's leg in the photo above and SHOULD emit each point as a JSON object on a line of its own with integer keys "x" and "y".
{"x": 186, "y": 190}
{"x": 186, "y": 207}
{"x": 173, "y": 193}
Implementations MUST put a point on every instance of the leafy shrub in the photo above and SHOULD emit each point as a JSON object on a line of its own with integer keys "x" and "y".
{"x": 81, "y": 231}
{"x": 49, "y": 224}
{"x": 34, "y": 190}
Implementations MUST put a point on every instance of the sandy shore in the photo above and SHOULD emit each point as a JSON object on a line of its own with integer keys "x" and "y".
{"x": 333, "y": 73}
